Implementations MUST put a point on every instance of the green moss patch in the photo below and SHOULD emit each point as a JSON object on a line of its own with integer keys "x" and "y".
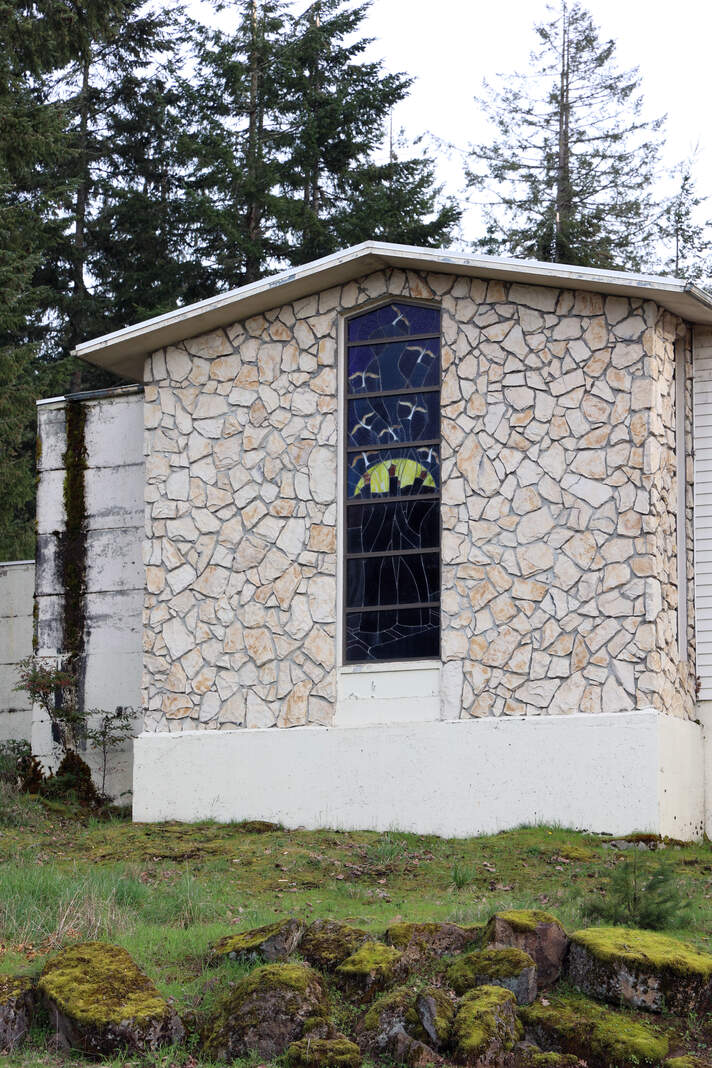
{"x": 396, "y": 1003}
{"x": 474, "y": 969}
{"x": 526, "y": 919}
{"x": 434, "y": 938}
{"x": 434, "y": 1013}
{"x": 12, "y": 986}
{"x": 600, "y": 1036}
{"x": 327, "y": 943}
{"x": 485, "y": 1019}
{"x": 324, "y": 1053}
{"x": 95, "y": 983}
{"x": 371, "y": 959}
{"x": 265, "y": 1012}
{"x": 271, "y": 942}
{"x": 646, "y": 949}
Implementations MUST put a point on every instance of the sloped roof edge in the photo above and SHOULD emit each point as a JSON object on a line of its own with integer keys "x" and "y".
{"x": 123, "y": 351}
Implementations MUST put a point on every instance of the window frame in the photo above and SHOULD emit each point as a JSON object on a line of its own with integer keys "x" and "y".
{"x": 355, "y": 313}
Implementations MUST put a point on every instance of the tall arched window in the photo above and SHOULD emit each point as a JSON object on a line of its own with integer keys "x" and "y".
{"x": 392, "y": 493}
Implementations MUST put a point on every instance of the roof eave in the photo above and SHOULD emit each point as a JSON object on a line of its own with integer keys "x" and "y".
{"x": 125, "y": 350}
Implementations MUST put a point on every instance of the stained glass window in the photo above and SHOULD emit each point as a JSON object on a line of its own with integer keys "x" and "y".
{"x": 392, "y": 579}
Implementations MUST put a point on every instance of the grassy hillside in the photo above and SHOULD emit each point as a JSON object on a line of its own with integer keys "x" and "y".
{"x": 165, "y": 892}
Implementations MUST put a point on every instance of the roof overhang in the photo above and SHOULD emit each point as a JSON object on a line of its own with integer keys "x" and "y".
{"x": 125, "y": 350}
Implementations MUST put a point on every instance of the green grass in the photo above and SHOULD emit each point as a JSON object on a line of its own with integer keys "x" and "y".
{"x": 166, "y": 892}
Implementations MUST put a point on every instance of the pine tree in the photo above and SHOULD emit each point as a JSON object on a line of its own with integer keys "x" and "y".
{"x": 398, "y": 201}
{"x": 110, "y": 75}
{"x": 234, "y": 144}
{"x": 337, "y": 106}
{"x": 32, "y": 142}
{"x": 685, "y": 235}
{"x": 572, "y": 166}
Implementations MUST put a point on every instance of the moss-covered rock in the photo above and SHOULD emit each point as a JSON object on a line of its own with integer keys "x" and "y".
{"x": 393, "y": 1027}
{"x": 535, "y": 1059}
{"x": 337, "y": 1052}
{"x": 265, "y": 1012}
{"x": 599, "y": 1036}
{"x": 274, "y": 942}
{"x": 509, "y": 967}
{"x": 389, "y": 1014}
{"x": 419, "y": 941}
{"x": 371, "y": 968}
{"x": 17, "y": 1002}
{"x": 100, "y": 1001}
{"x": 434, "y": 1011}
{"x": 537, "y": 933}
{"x": 685, "y": 1062}
{"x": 327, "y": 943}
{"x": 485, "y": 1027}
{"x": 643, "y": 969}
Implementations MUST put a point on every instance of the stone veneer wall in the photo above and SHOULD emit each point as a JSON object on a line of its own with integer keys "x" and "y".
{"x": 559, "y": 547}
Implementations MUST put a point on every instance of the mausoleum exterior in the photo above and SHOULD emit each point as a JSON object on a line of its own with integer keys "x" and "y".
{"x": 422, "y": 547}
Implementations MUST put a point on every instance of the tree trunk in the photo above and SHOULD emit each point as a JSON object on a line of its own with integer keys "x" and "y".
{"x": 254, "y": 138}
{"x": 563, "y": 169}
{"x": 79, "y": 292}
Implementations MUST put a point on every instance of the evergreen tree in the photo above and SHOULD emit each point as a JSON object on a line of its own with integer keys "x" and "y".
{"x": 685, "y": 236}
{"x": 572, "y": 166}
{"x": 31, "y": 144}
{"x": 234, "y": 145}
{"x": 397, "y": 201}
{"x": 336, "y": 107}
{"x": 111, "y": 75}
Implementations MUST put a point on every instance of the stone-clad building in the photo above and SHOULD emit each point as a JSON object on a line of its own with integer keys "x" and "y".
{"x": 419, "y": 547}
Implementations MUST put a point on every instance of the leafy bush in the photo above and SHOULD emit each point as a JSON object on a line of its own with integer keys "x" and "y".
{"x": 15, "y": 755}
{"x": 641, "y": 892}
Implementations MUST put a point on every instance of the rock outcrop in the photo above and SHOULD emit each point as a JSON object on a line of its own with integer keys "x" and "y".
{"x": 99, "y": 1001}
{"x": 265, "y": 1012}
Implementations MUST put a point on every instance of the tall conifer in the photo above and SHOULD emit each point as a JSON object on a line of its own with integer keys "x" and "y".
{"x": 569, "y": 173}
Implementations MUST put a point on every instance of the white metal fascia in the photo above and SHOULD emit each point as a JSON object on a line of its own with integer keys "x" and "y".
{"x": 123, "y": 350}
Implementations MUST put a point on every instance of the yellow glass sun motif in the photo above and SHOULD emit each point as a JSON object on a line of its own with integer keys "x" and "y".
{"x": 378, "y": 477}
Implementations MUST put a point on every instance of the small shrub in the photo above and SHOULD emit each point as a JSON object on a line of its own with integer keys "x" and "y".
{"x": 641, "y": 893}
{"x": 463, "y": 874}
{"x": 387, "y": 849}
{"x": 14, "y": 757}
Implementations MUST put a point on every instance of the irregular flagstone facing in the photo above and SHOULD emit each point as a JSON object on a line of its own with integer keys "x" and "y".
{"x": 559, "y": 503}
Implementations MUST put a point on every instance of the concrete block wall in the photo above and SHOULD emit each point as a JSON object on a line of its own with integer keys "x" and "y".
{"x": 17, "y": 588}
{"x": 113, "y": 602}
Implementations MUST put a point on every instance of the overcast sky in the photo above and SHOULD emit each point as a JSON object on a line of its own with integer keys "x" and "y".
{"x": 449, "y": 46}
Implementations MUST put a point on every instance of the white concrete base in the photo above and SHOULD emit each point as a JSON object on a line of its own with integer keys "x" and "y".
{"x": 623, "y": 772}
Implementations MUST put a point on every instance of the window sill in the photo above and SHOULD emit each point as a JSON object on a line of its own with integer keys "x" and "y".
{"x": 390, "y": 665}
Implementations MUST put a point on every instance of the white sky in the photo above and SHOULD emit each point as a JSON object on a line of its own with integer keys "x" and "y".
{"x": 449, "y": 46}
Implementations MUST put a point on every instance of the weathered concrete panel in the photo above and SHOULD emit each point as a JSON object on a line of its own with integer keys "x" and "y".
{"x": 113, "y": 603}
{"x": 17, "y": 583}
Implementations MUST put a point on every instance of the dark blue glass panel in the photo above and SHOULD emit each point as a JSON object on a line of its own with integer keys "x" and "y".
{"x": 392, "y": 635}
{"x": 394, "y": 365}
{"x": 385, "y": 420}
{"x": 375, "y": 580}
{"x": 393, "y": 472}
{"x": 394, "y": 320}
{"x": 381, "y": 528}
